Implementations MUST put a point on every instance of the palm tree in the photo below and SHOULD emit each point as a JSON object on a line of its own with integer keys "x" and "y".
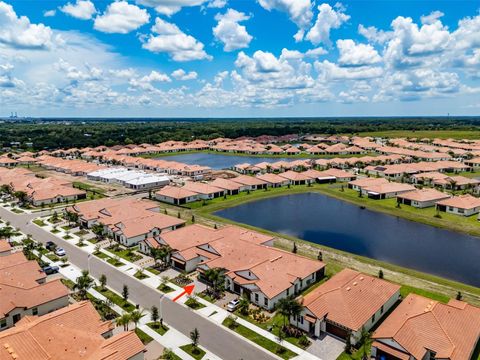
{"x": 135, "y": 317}
{"x": 243, "y": 305}
{"x": 288, "y": 307}
{"x": 216, "y": 280}
{"x": 103, "y": 281}
{"x": 83, "y": 283}
{"x": 154, "y": 316}
{"x": 194, "y": 336}
{"x": 366, "y": 341}
{"x": 98, "y": 230}
{"x": 123, "y": 320}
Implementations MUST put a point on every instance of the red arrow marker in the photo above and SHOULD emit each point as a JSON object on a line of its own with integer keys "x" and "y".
{"x": 186, "y": 290}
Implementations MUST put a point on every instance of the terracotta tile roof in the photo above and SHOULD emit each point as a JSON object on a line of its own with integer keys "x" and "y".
{"x": 295, "y": 176}
{"x": 272, "y": 178}
{"x": 388, "y": 187}
{"x": 176, "y": 192}
{"x": 368, "y": 181}
{"x": 350, "y": 298}
{"x": 71, "y": 333}
{"x": 202, "y": 188}
{"x": 226, "y": 184}
{"x": 5, "y": 246}
{"x": 424, "y": 195}
{"x": 450, "y": 330}
{"x": 461, "y": 202}
{"x": 20, "y": 287}
{"x": 248, "y": 180}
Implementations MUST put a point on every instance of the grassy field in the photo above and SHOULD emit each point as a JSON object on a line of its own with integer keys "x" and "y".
{"x": 194, "y": 352}
{"x": 430, "y": 134}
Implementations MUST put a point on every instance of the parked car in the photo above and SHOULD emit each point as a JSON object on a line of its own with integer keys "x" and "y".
{"x": 49, "y": 270}
{"x": 60, "y": 252}
{"x": 50, "y": 245}
{"x": 232, "y": 305}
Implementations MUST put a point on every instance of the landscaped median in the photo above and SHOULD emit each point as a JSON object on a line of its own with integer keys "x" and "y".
{"x": 258, "y": 339}
{"x": 115, "y": 298}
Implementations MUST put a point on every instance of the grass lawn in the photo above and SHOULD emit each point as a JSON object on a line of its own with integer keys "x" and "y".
{"x": 115, "y": 262}
{"x": 356, "y": 355}
{"x": 87, "y": 187}
{"x": 66, "y": 227}
{"x": 159, "y": 329}
{"x": 275, "y": 323}
{"x": 405, "y": 290}
{"x": 68, "y": 283}
{"x": 258, "y": 339}
{"x": 194, "y": 304}
{"x": 101, "y": 255}
{"x": 194, "y": 352}
{"x": 144, "y": 337}
{"x": 165, "y": 288}
{"x": 81, "y": 232}
{"x": 54, "y": 231}
{"x": 52, "y": 257}
{"x": 18, "y": 211}
{"x": 116, "y": 299}
{"x": 80, "y": 244}
{"x": 39, "y": 222}
{"x": 127, "y": 254}
{"x": 153, "y": 270}
{"x": 141, "y": 275}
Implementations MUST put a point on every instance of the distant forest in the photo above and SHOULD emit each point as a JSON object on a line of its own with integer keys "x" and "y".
{"x": 66, "y": 133}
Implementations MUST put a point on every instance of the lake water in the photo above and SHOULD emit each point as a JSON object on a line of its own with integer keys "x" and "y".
{"x": 219, "y": 161}
{"x": 324, "y": 220}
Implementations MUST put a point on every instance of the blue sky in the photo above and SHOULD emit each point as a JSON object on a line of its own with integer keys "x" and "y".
{"x": 239, "y": 58}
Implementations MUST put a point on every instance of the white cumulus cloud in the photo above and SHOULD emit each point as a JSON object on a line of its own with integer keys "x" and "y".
{"x": 299, "y": 11}
{"x": 170, "y": 7}
{"x": 181, "y": 74}
{"x": 19, "y": 32}
{"x": 82, "y": 9}
{"x": 328, "y": 18}
{"x": 170, "y": 39}
{"x": 228, "y": 30}
{"x": 121, "y": 17}
{"x": 352, "y": 54}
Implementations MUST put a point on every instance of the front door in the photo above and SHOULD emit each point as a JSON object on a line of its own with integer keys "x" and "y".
{"x": 16, "y": 318}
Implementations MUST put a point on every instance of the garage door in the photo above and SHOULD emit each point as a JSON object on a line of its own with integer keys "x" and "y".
{"x": 336, "y": 331}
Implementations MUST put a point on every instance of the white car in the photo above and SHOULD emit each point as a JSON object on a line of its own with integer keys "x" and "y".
{"x": 232, "y": 305}
{"x": 60, "y": 252}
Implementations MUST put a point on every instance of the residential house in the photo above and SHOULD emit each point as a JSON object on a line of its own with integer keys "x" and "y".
{"x": 251, "y": 266}
{"x": 250, "y": 182}
{"x": 297, "y": 178}
{"x": 25, "y": 292}
{"x": 360, "y": 183}
{"x": 386, "y": 191}
{"x": 345, "y": 304}
{"x": 273, "y": 180}
{"x": 465, "y": 205}
{"x": 176, "y": 195}
{"x": 421, "y": 328}
{"x": 127, "y": 220}
{"x": 205, "y": 191}
{"x": 230, "y": 187}
{"x": 75, "y": 332}
{"x": 422, "y": 198}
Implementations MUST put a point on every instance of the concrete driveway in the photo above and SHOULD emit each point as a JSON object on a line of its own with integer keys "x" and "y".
{"x": 326, "y": 347}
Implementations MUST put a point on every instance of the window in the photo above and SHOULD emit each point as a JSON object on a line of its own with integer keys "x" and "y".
{"x": 256, "y": 298}
{"x": 288, "y": 292}
{"x": 381, "y": 310}
{"x": 373, "y": 318}
{"x": 34, "y": 311}
{"x": 3, "y": 323}
{"x": 301, "y": 320}
{"x": 265, "y": 301}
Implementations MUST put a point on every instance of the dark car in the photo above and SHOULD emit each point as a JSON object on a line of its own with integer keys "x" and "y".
{"x": 50, "y": 245}
{"x": 49, "y": 270}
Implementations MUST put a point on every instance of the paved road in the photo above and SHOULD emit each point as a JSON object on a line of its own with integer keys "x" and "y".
{"x": 213, "y": 337}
